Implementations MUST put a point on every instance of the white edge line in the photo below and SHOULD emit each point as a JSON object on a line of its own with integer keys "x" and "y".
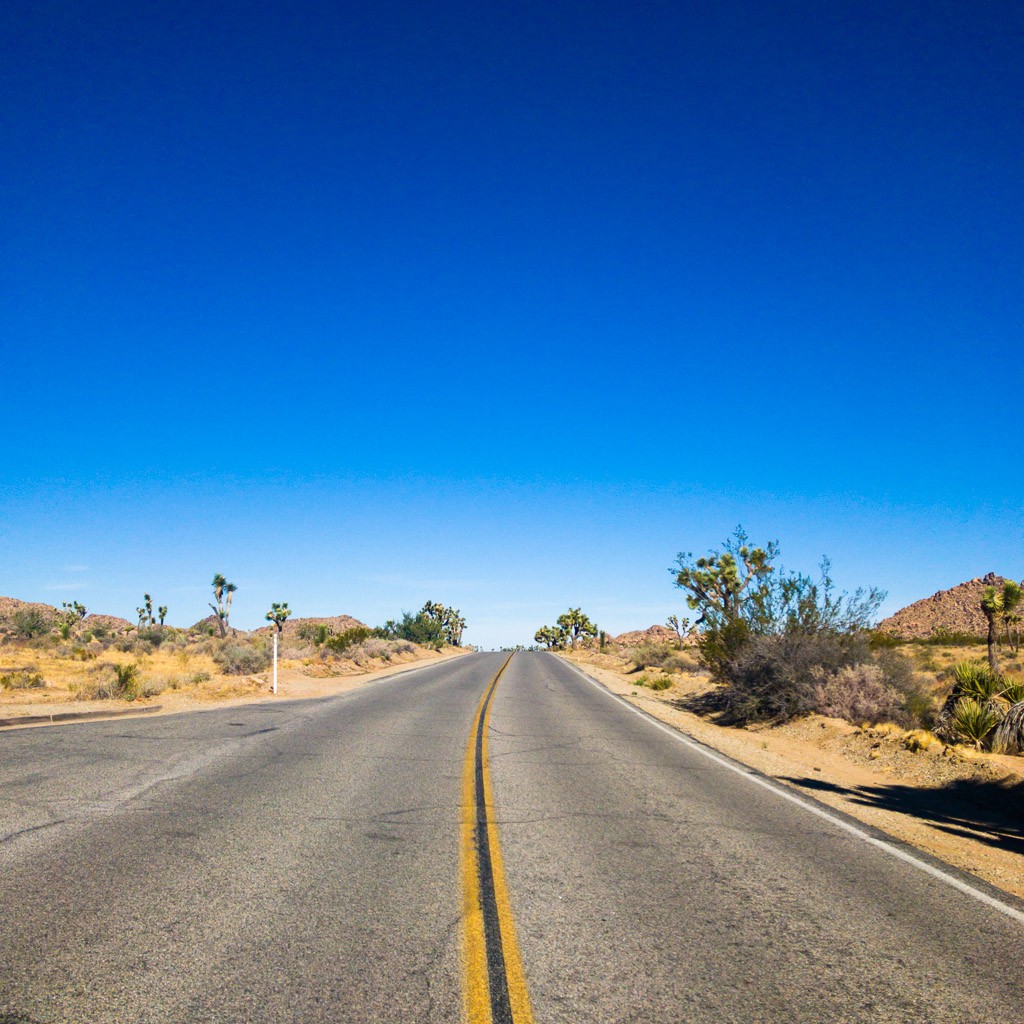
{"x": 893, "y": 851}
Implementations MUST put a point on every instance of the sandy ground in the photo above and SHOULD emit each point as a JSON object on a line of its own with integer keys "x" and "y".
{"x": 292, "y": 684}
{"x": 961, "y": 807}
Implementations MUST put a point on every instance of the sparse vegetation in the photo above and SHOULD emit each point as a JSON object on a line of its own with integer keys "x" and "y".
{"x": 772, "y": 638}
{"x": 22, "y": 679}
{"x": 570, "y": 627}
{"x": 341, "y": 642}
{"x": 242, "y": 659}
{"x": 29, "y": 623}
{"x": 434, "y": 625}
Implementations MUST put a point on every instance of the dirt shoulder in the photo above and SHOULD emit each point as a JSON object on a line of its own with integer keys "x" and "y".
{"x": 292, "y": 684}
{"x": 966, "y": 809}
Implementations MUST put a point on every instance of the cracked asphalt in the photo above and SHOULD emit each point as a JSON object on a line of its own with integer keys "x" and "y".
{"x": 299, "y": 862}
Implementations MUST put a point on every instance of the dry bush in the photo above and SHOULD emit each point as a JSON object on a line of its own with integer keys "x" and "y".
{"x": 369, "y": 649}
{"x": 856, "y": 693}
{"x": 682, "y": 663}
{"x": 652, "y": 656}
{"x": 1009, "y": 735}
{"x": 22, "y": 679}
{"x": 241, "y": 659}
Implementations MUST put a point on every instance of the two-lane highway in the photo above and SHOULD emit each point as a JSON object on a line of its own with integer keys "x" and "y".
{"x": 321, "y": 861}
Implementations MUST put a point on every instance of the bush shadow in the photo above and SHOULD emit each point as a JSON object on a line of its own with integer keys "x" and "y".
{"x": 986, "y": 811}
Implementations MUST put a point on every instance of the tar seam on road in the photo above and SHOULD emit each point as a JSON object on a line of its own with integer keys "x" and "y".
{"x": 495, "y": 985}
{"x": 834, "y": 819}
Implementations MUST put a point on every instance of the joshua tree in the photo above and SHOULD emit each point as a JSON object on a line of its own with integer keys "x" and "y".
{"x": 149, "y": 608}
{"x": 576, "y": 624}
{"x": 277, "y": 614}
{"x": 997, "y": 604}
{"x": 1013, "y": 638}
{"x": 552, "y": 637}
{"x": 450, "y": 620}
{"x": 72, "y": 613}
{"x": 162, "y": 613}
{"x": 1011, "y": 601}
{"x": 142, "y": 615}
{"x": 679, "y": 627}
{"x": 222, "y": 591}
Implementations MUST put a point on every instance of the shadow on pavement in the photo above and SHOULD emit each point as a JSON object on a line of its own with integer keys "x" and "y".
{"x": 989, "y": 812}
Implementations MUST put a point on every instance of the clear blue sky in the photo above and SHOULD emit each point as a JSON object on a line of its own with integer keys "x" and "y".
{"x": 504, "y": 304}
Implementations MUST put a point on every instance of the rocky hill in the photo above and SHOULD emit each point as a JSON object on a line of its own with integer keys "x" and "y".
{"x": 10, "y": 606}
{"x": 337, "y": 623}
{"x": 112, "y": 622}
{"x": 957, "y": 610}
{"x": 651, "y": 635}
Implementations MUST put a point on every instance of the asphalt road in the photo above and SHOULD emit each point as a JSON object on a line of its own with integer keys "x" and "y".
{"x": 302, "y": 862}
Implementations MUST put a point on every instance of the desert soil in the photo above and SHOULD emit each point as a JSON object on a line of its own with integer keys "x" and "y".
{"x": 292, "y": 684}
{"x": 962, "y": 807}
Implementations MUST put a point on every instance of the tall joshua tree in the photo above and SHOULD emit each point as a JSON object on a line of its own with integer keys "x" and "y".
{"x": 1011, "y": 602}
{"x": 277, "y": 615}
{"x": 576, "y": 624}
{"x": 997, "y": 603}
{"x": 222, "y": 591}
{"x": 149, "y": 608}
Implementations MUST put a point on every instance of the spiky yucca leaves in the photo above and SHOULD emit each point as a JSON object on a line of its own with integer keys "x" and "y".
{"x": 1009, "y": 735}
{"x": 977, "y": 680}
{"x": 974, "y": 720}
{"x": 1013, "y": 691}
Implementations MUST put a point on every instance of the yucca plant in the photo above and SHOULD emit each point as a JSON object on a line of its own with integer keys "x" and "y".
{"x": 974, "y": 720}
{"x": 1013, "y": 691}
{"x": 977, "y": 680}
{"x": 1009, "y": 735}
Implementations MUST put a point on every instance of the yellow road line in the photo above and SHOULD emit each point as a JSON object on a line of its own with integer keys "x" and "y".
{"x": 495, "y": 985}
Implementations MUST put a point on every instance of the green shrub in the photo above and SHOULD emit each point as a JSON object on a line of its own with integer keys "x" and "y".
{"x": 316, "y": 633}
{"x": 653, "y": 682}
{"x": 198, "y": 677}
{"x": 341, "y": 642}
{"x": 30, "y": 622}
{"x": 944, "y": 638}
{"x": 22, "y": 679}
{"x": 126, "y": 685}
{"x": 241, "y": 659}
{"x": 879, "y": 641}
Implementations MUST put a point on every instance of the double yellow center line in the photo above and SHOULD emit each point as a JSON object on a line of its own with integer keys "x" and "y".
{"x": 495, "y": 984}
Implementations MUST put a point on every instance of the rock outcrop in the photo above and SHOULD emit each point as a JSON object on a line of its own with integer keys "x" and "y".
{"x": 957, "y": 610}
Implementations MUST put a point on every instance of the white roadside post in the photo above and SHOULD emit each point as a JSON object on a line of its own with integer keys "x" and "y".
{"x": 275, "y": 664}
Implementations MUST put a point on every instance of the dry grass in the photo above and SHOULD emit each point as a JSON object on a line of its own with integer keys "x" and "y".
{"x": 77, "y": 671}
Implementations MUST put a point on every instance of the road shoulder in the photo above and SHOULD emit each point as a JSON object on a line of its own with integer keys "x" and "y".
{"x": 962, "y": 821}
